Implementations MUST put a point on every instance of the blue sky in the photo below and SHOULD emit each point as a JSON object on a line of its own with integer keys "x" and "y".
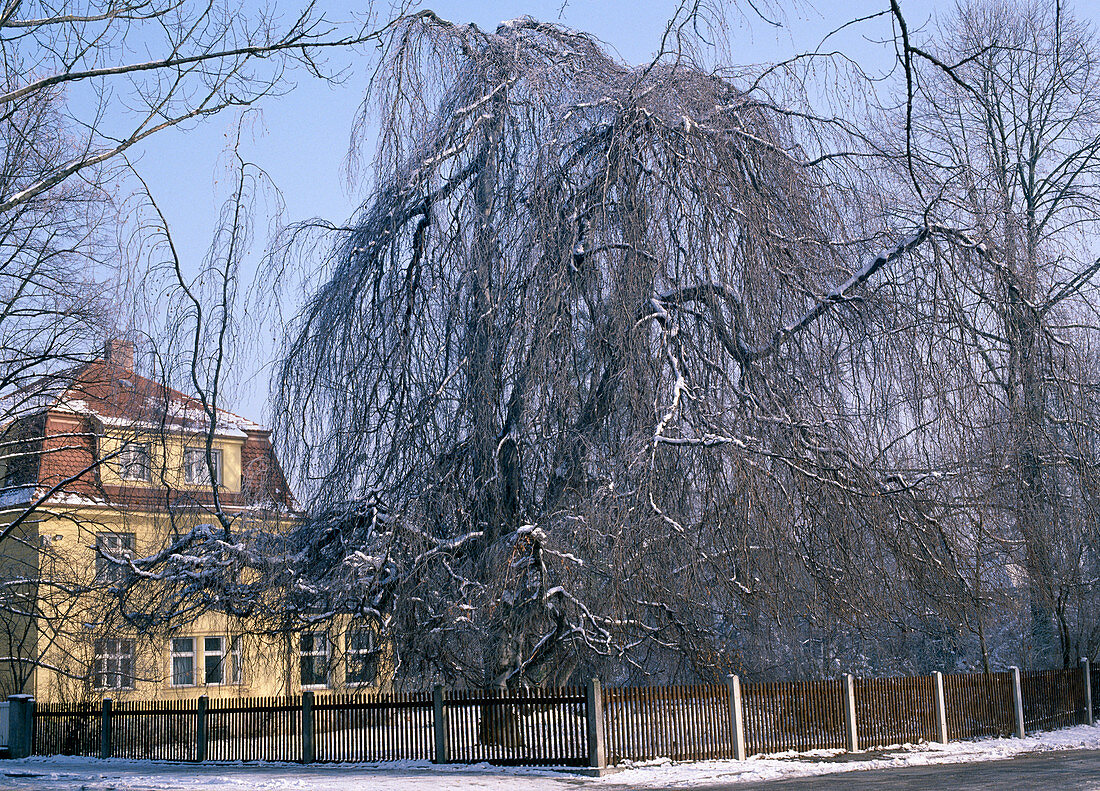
{"x": 302, "y": 139}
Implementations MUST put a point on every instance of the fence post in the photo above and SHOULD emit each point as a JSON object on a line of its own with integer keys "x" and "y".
{"x": 737, "y": 717}
{"x": 200, "y": 729}
{"x": 593, "y": 712}
{"x": 941, "y": 708}
{"x": 1086, "y": 676}
{"x": 307, "y": 727}
{"x": 20, "y": 725}
{"x": 439, "y": 726}
{"x": 105, "y": 729}
{"x": 1017, "y": 702}
{"x": 850, "y": 713}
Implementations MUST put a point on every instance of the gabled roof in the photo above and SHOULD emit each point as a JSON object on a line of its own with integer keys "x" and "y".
{"x": 119, "y": 396}
{"x": 108, "y": 394}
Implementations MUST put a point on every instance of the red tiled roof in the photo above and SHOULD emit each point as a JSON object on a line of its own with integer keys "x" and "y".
{"x": 105, "y": 394}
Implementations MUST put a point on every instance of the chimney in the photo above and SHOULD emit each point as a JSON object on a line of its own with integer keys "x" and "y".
{"x": 119, "y": 353}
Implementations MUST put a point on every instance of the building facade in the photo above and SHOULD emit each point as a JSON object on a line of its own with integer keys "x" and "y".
{"x": 107, "y": 484}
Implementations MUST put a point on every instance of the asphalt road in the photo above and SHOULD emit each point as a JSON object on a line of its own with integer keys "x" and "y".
{"x": 1076, "y": 770}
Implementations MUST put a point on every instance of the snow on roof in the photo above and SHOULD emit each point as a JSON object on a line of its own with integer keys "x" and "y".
{"x": 122, "y": 398}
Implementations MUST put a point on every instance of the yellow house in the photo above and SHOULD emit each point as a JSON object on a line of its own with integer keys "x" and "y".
{"x": 120, "y": 469}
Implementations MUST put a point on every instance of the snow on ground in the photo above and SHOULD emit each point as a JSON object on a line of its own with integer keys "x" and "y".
{"x": 55, "y": 773}
{"x": 783, "y": 765}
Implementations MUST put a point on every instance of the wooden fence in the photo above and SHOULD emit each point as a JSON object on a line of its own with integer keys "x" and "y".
{"x": 576, "y": 726}
{"x": 1052, "y": 699}
{"x": 1095, "y": 685}
{"x": 374, "y": 728}
{"x": 794, "y": 715}
{"x": 895, "y": 710}
{"x": 159, "y": 730}
{"x": 251, "y": 729}
{"x": 61, "y": 729}
{"x": 525, "y": 727}
{"x": 978, "y": 705}
{"x": 684, "y": 723}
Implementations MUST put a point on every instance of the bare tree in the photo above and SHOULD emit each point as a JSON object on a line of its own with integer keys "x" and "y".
{"x": 570, "y": 395}
{"x": 607, "y": 374}
{"x": 1004, "y": 147}
{"x": 53, "y": 250}
{"x": 199, "y": 59}
{"x": 80, "y": 87}
{"x": 75, "y": 98}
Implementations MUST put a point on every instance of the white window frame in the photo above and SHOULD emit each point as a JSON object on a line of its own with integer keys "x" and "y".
{"x": 195, "y": 471}
{"x": 236, "y": 669}
{"x": 361, "y": 655}
{"x": 320, "y": 648}
{"x": 173, "y": 654}
{"x": 113, "y": 663}
{"x": 105, "y": 542}
{"x": 129, "y": 457}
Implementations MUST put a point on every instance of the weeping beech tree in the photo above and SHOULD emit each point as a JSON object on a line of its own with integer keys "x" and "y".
{"x": 585, "y": 384}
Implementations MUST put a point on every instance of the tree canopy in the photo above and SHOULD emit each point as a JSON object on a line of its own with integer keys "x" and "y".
{"x": 566, "y": 393}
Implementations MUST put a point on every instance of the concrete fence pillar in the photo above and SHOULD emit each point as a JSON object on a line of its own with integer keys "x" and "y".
{"x": 200, "y": 729}
{"x": 307, "y": 727}
{"x": 737, "y": 718}
{"x": 1086, "y": 678}
{"x": 20, "y": 725}
{"x": 105, "y": 729}
{"x": 439, "y": 726}
{"x": 593, "y": 712}
{"x": 941, "y": 709}
{"x": 850, "y": 729}
{"x": 1018, "y": 702}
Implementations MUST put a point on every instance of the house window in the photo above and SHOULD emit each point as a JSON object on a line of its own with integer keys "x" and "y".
{"x": 108, "y": 546}
{"x": 114, "y": 664}
{"x": 362, "y": 657}
{"x": 195, "y": 469}
{"x": 22, "y": 445}
{"x": 21, "y": 467}
{"x": 218, "y": 666}
{"x": 17, "y": 473}
{"x": 183, "y": 661}
{"x": 133, "y": 461}
{"x": 213, "y": 660}
{"x": 314, "y": 656}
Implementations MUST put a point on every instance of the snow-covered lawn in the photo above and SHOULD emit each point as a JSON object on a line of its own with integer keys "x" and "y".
{"x": 53, "y": 773}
